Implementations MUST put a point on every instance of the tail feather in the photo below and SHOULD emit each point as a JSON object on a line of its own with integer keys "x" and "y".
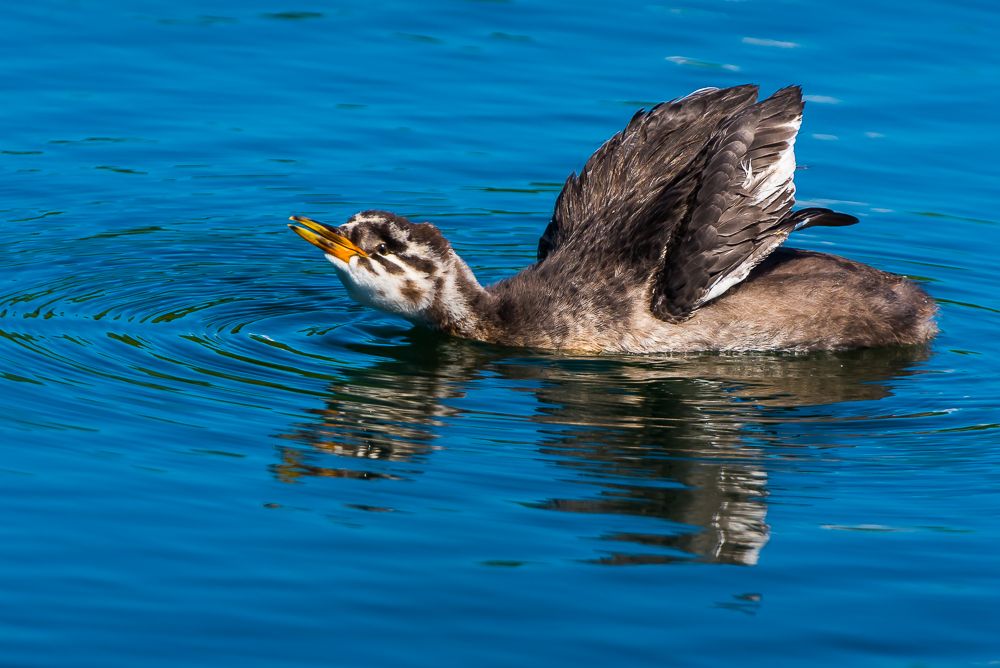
{"x": 816, "y": 217}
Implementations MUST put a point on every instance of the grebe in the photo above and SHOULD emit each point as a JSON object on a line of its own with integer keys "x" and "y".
{"x": 666, "y": 241}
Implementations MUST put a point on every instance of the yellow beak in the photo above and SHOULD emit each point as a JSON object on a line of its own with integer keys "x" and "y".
{"x": 326, "y": 239}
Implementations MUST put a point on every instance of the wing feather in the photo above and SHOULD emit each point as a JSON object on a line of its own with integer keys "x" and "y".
{"x": 745, "y": 193}
{"x": 622, "y": 182}
{"x": 689, "y": 197}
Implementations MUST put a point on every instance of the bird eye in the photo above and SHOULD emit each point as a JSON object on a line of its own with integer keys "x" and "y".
{"x": 381, "y": 249}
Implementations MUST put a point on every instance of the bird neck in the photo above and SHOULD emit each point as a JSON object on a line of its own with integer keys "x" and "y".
{"x": 461, "y": 306}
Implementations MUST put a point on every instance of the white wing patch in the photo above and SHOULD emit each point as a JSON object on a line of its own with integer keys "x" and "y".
{"x": 778, "y": 177}
{"x": 748, "y": 172}
{"x": 741, "y": 272}
{"x": 769, "y": 184}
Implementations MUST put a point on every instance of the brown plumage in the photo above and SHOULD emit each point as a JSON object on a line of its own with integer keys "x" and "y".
{"x": 665, "y": 241}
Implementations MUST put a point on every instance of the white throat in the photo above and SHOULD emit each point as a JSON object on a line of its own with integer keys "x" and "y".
{"x": 441, "y": 300}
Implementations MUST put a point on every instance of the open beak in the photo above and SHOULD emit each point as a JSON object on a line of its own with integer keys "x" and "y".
{"x": 325, "y": 239}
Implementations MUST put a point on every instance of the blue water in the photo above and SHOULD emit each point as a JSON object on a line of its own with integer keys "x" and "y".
{"x": 211, "y": 456}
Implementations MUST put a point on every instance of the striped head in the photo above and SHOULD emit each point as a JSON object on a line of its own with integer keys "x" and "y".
{"x": 390, "y": 264}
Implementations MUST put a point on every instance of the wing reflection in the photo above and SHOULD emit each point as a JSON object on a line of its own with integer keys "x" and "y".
{"x": 660, "y": 445}
{"x": 680, "y": 439}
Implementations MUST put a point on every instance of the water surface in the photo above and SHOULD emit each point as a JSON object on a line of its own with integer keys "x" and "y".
{"x": 211, "y": 456}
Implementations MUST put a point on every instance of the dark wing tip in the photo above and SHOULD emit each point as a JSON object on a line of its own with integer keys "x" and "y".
{"x": 733, "y": 92}
{"x": 788, "y": 92}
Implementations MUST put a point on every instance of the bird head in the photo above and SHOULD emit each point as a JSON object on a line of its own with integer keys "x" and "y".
{"x": 390, "y": 264}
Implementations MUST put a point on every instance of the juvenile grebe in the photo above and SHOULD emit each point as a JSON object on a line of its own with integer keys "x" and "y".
{"x": 666, "y": 241}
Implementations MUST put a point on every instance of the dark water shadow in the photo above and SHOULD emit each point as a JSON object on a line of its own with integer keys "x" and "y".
{"x": 684, "y": 439}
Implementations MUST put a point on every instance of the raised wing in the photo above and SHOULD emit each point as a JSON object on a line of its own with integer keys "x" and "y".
{"x": 622, "y": 181}
{"x": 691, "y": 195}
{"x": 741, "y": 209}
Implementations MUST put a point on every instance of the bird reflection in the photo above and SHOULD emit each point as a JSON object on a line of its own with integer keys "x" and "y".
{"x": 389, "y": 412}
{"x": 677, "y": 438}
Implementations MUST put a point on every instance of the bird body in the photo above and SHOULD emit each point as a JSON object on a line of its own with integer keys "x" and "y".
{"x": 667, "y": 240}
